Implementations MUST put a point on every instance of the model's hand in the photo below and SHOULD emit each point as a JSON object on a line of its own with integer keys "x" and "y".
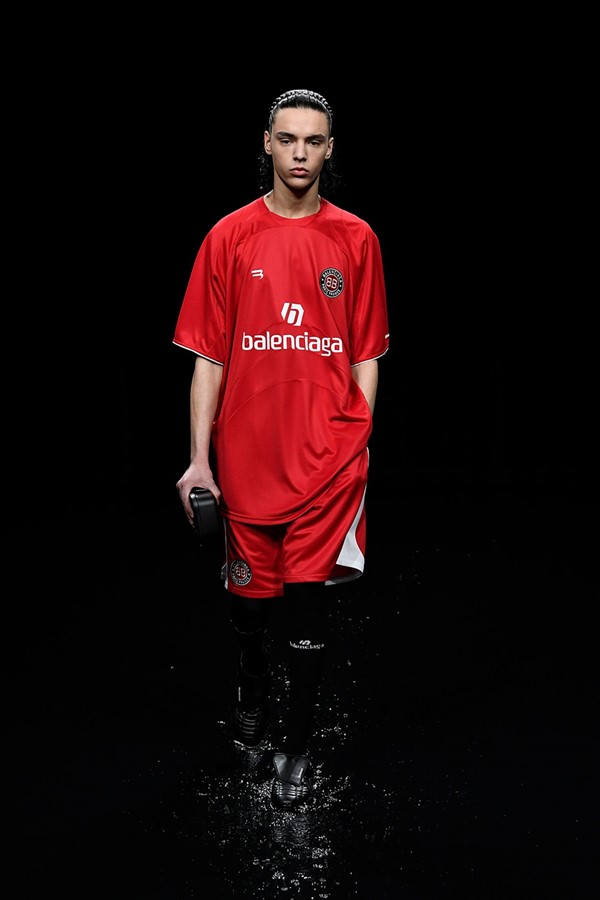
{"x": 196, "y": 476}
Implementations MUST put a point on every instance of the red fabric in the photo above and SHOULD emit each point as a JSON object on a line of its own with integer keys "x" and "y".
{"x": 287, "y": 306}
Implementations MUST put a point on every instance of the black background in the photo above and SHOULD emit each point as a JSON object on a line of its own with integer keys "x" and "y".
{"x": 483, "y": 426}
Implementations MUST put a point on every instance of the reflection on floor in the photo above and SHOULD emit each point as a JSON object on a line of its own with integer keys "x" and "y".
{"x": 454, "y": 749}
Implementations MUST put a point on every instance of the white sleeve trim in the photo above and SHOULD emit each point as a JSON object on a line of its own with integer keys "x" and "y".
{"x": 360, "y": 362}
{"x": 217, "y": 362}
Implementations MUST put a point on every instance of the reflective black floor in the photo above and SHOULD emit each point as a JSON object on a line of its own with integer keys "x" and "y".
{"x": 456, "y": 743}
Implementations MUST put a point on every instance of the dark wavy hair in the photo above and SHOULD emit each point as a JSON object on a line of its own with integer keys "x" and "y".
{"x": 330, "y": 179}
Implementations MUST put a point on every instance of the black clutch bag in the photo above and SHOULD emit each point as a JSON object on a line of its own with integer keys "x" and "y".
{"x": 207, "y": 521}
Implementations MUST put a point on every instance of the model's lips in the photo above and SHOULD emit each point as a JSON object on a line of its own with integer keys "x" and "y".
{"x": 299, "y": 171}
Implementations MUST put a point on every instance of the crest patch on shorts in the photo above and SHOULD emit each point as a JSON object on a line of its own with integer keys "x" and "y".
{"x": 240, "y": 572}
{"x": 332, "y": 282}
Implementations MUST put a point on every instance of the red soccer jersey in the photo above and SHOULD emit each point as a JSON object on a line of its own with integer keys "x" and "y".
{"x": 287, "y": 307}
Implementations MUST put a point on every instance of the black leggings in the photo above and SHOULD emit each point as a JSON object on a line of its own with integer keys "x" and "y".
{"x": 307, "y": 627}
{"x": 307, "y": 612}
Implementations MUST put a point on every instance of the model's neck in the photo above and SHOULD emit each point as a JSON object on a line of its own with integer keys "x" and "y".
{"x": 294, "y": 206}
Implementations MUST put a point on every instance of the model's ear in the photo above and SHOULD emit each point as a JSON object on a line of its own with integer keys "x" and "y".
{"x": 329, "y": 148}
{"x": 267, "y": 143}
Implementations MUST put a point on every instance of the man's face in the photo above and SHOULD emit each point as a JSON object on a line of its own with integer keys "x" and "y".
{"x": 299, "y": 144}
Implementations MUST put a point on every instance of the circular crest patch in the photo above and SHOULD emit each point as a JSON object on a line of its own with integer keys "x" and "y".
{"x": 240, "y": 572}
{"x": 332, "y": 282}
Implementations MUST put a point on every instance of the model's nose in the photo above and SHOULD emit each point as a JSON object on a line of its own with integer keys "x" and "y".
{"x": 300, "y": 151}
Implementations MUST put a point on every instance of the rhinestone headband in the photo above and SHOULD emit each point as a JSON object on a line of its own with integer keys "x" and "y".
{"x": 290, "y": 96}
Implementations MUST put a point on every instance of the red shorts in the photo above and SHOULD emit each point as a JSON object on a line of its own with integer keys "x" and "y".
{"x": 326, "y": 543}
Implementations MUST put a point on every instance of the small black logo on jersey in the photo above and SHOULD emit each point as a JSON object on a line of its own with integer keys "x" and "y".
{"x": 332, "y": 282}
{"x": 240, "y": 572}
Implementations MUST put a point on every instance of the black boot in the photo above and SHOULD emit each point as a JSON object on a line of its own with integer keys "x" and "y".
{"x": 250, "y": 713}
{"x": 292, "y": 784}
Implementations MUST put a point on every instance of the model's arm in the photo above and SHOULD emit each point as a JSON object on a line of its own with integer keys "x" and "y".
{"x": 366, "y": 375}
{"x": 204, "y": 395}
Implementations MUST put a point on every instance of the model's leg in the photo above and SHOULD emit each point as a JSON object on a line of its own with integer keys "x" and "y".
{"x": 249, "y": 618}
{"x": 307, "y": 633}
{"x": 308, "y": 624}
